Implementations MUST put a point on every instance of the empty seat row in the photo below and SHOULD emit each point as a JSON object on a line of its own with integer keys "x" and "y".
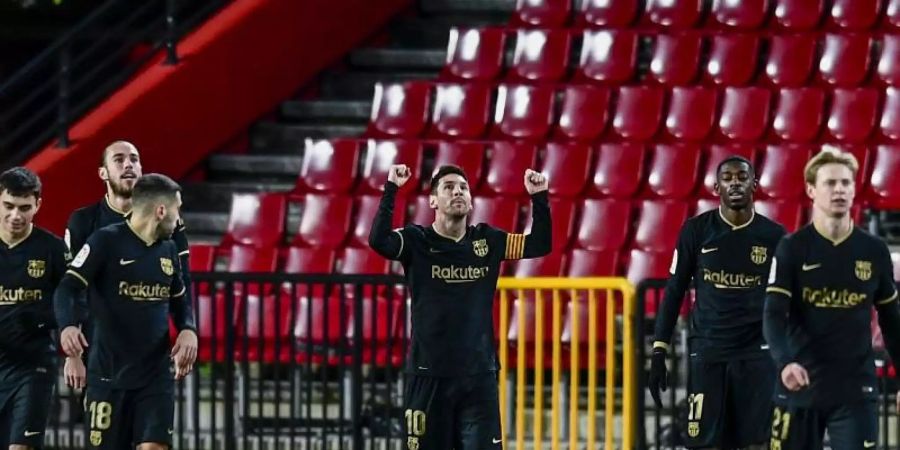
{"x": 613, "y": 57}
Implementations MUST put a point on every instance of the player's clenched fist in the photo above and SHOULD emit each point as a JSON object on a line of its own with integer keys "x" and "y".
{"x": 535, "y": 181}
{"x": 72, "y": 341}
{"x": 399, "y": 174}
{"x": 794, "y": 377}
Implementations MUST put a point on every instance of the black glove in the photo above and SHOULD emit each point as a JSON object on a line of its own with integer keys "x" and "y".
{"x": 659, "y": 375}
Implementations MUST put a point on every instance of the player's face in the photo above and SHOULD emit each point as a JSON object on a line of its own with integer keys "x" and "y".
{"x": 168, "y": 217}
{"x": 121, "y": 170}
{"x": 834, "y": 190}
{"x": 735, "y": 185}
{"x": 452, "y": 197}
{"x": 18, "y": 212}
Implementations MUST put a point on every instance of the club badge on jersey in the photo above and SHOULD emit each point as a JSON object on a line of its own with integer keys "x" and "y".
{"x": 166, "y": 265}
{"x": 758, "y": 255}
{"x": 480, "y": 247}
{"x": 36, "y": 268}
{"x": 863, "y": 270}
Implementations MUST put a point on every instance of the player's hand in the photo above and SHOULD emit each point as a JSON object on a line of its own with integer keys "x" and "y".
{"x": 658, "y": 379}
{"x": 535, "y": 181}
{"x": 72, "y": 341}
{"x": 75, "y": 373}
{"x": 184, "y": 353}
{"x": 399, "y": 174}
{"x": 794, "y": 377}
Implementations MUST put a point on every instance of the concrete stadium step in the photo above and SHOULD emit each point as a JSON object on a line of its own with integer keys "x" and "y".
{"x": 432, "y": 32}
{"x": 398, "y": 58}
{"x": 361, "y": 85}
{"x": 215, "y": 196}
{"x": 467, "y": 6}
{"x": 279, "y": 137}
{"x": 255, "y": 165}
{"x": 321, "y": 110}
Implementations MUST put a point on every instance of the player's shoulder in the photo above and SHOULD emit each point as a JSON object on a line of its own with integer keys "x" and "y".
{"x": 768, "y": 226}
{"x": 702, "y": 221}
{"x": 46, "y": 237}
{"x": 83, "y": 216}
{"x": 111, "y": 231}
{"x": 870, "y": 241}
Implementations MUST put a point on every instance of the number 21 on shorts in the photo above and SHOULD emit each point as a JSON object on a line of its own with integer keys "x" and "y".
{"x": 781, "y": 424}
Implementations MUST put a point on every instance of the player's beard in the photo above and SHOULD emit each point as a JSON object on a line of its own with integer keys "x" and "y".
{"x": 121, "y": 189}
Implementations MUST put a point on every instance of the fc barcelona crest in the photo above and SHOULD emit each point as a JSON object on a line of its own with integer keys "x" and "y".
{"x": 480, "y": 247}
{"x": 166, "y": 265}
{"x": 693, "y": 429}
{"x": 96, "y": 438}
{"x": 36, "y": 268}
{"x": 412, "y": 443}
{"x": 863, "y": 270}
{"x": 758, "y": 254}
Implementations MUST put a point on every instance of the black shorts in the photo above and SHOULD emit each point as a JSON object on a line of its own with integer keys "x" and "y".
{"x": 850, "y": 427}
{"x": 120, "y": 419}
{"x": 729, "y": 403}
{"x": 24, "y": 408}
{"x": 461, "y": 413}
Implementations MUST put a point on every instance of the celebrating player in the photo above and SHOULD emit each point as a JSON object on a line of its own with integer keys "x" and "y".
{"x": 33, "y": 261}
{"x": 825, "y": 279}
{"x": 452, "y": 271}
{"x": 135, "y": 270}
{"x": 727, "y": 254}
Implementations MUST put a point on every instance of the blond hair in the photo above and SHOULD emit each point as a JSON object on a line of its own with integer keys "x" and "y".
{"x": 829, "y": 155}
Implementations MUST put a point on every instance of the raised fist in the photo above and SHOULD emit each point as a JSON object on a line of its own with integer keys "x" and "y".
{"x": 535, "y": 181}
{"x": 399, "y": 174}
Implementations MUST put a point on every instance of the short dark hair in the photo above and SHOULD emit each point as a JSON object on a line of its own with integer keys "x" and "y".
{"x": 20, "y": 182}
{"x": 112, "y": 145}
{"x": 152, "y": 187}
{"x": 447, "y": 169}
{"x": 735, "y": 158}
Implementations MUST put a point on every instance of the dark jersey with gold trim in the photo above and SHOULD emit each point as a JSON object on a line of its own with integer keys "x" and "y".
{"x": 29, "y": 273}
{"x": 728, "y": 265}
{"x": 831, "y": 287}
{"x": 452, "y": 284}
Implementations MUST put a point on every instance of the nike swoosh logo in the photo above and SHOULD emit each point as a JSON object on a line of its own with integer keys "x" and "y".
{"x": 32, "y": 433}
{"x": 432, "y": 250}
{"x": 126, "y": 262}
{"x": 868, "y": 444}
{"x": 808, "y": 267}
{"x": 496, "y": 441}
{"x": 708, "y": 250}
{"x": 171, "y": 431}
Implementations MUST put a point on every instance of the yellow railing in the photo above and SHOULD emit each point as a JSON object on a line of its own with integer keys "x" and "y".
{"x": 535, "y": 289}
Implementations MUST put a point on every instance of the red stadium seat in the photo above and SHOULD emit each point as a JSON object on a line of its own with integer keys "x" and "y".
{"x": 474, "y": 54}
{"x": 362, "y": 261}
{"x": 212, "y": 325}
{"x": 381, "y": 155}
{"x": 421, "y": 211}
{"x": 546, "y": 266}
{"x": 732, "y": 59}
{"x": 715, "y": 154}
{"x": 264, "y": 326}
{"x": 256, "y": 219}
{"x": 325, "y": 221}
{"x": 790, "y": 59}
{"x": 638, "y": 112}
{"x": 845, "y": 59}
{"x": 658, "y": 224}
{"x": 861, "y": 152}
{"x": 798, "y": 115}
{"x": 745, "y": 15}
{"x": 781, "y": 172}
{"x": 460, "y": 110}
{"x": 892, "y": 14}
{"x": 853, "y": 113}
{"x": 321, "y": 323}
{"x": 567, "y": 165}
{"x": 467, "y": 155}
{"x": 587, "y": 263}
{"x": 543, "y": 13}
{"x": 675, "y": 58}
{"x": 500, "y": 212}
{"x": 540, "y": 55}
{"x": 245, "y": 258}
{"x": 890, "y": 114}
{"x": 580, "y": 332}
{"x": 380, "y": 321}
{"x": 888, "y": 70}
{"x": 745, "y": 113}
{"x": 604, "y": 224}
{"x": 680, "y": 14}
{"x": 202, "y": 257}
{"x": 563, "y": 217}
{"x": 309, "y": 260}
{"x": 787, "y": 213}
{"x": 607, "y": 56}
{"x": 366, "y": 206}
{"x": 692, "y": 111}
{"x": 604, "y": 13}
{"x": 619, "y": 169}
{"x": 582, "y": 114}
{"x": 798, "y": 15}
{"x": 643, "y": 265}
{"x": 854, "y": 14}
{"x": 329, "y": 166}
{"x": 399, "y": 109}
{"x": 523, "y": 111}
{"x": 884, "y": 192}
{"x": 705, "y": 204}
{"x": 673, "y": 170}
{"x": 506, "y": 168}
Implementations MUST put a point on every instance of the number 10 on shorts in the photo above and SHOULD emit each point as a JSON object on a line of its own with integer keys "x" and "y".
{"x": 415, "y": 422}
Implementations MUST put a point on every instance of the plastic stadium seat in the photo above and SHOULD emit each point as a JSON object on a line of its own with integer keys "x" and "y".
{"x": 329, "y": 166}
{"x": 604, "y": 224}
{"x": 705, "y": 204}
{"x": 892, "y": 14}
{"x": 467, "y": 155}
{"x": 732, "y": 59}
{"x": 546, "y": 266}
{"x": 506, "y": 168}
{"x": 854, "y": 14}
{"x": 715, "y": 154}
{"x": 787, "y": 213}
{"x": 588, "y": 263}
{"x": 540, "y": 55}
{"x": 474, "y": 54}
{"x": 745, "y": 14}
{"x": 399, "y": 109}
{"x": 567, "y": 164}
{"x": 212, "y": 325}
{"x": 781, "y": 172}
{"x": 380, "y": 321}
{"x": 523, "y": 111}
{"x": 460, "y": 110}
{"x": 644, "y": 265}
{"x": 853, "y": 113}
{"x": 604, "y": 13}
{"x": 798, "y": 114}
{"x": 619, "y": 169}
{"x": 325, "y": 221}
{"x": 320, "y": 325}
{"x": 500, "y": 212}
{"x": 362, "y": 261}
{"x": 845, "y": 59}
{"x": 745, "y": 113}
{"x": 790, "y": 59}
{"x": 544, "y": 13}
{"x": 607, "y": 56}
{"x": 202, "y": 257}
{"x": 638, "y": 112}
{"x": 861, "y": 152}
{"x": 680, "y": 14}
{"x": 309, "y": 260}
{"x": 421, "y": 212}
{"x": 582, "y": 114}
{"x": 563, "y": 217}
{"x": 884, "y": 192}
{"x": 244, "y": 258}
{"x": 365, "y": 208}
{"x": 798, "y": 15}
{"x": 888, "y": 69}
{"x": 692, "y": 111}
{"x": 658, "y": 224}
{"x": 673, "y": 170}
{"x": 890, "y": 114}
{"x": 380, "y": 155}
{"x": 256, "y": 219}
{"x": 675, "y": 58}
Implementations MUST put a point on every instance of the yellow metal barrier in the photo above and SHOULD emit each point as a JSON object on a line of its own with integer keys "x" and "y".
{"x": 615, "y": 289}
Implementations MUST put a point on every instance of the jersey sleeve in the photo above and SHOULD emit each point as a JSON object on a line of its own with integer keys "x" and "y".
{"x": 76, "y": 231}
{"x": 539, "y": 241}
{"x": 180, "y": 306}
{"x": 387, "y": 242}
{"x": 82, "y": 271}
{"x": 777, "y": 304}
{"x": 886, "y": 291}
{"x": 681, "y": 270}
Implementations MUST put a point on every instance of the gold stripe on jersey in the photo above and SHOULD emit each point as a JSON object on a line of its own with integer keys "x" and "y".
{"x": 515, "y": 246}
{"x": 779, "y": 290}
{"x": 889, "y": 299}
{"x": 180, "y": 293}
{"x": 185, "y": 252}
{"x": 660, "y": 344}
{"x": 78, "y": 275}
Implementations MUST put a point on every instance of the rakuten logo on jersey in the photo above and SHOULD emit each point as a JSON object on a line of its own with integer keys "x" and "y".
{"x": 455, "y": 274}
{"x": 11, "y": 296}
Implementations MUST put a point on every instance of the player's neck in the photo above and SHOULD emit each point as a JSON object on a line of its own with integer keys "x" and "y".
{"x": 11, "y": 239}
{"x": 143, "y": 227}
{"x": 834, "y": 228}
{"x": 119, "y": 204}
{"x": 449, "y": 227}
{"x": 736, "y": 217}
